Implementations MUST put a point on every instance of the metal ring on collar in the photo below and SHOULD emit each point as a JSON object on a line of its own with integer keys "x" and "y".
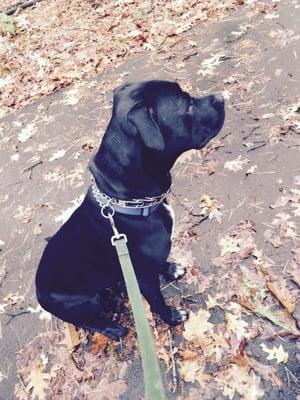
{"x": 107, "y": 211}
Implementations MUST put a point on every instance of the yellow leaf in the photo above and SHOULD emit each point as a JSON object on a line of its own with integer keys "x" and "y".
{"x": 229, "y": 244}
{"x": 277, "y": 353}
{"x": 208, "y": 202}
{"x": 211, "y": 302}
{"x": 197, "y": 325}
{"x": 38, "y": 383}
{"x": 236, "y": 325}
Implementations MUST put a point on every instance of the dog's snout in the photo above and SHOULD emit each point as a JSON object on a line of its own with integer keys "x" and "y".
{"x": 217, "y": 102}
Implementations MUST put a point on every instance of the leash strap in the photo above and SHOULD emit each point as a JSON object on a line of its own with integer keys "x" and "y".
{"x": 152, "y": 374}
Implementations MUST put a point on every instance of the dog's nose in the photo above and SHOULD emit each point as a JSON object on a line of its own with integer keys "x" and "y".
{"x": 217, "y": 102}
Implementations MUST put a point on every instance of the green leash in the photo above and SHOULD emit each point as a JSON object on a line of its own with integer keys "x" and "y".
{"x": 152, "y": 374}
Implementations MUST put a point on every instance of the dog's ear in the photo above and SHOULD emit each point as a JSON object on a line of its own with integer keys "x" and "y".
{"x": 142, "y": 119}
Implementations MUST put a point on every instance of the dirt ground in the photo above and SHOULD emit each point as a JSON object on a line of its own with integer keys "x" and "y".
{"x": 237, "y": 206}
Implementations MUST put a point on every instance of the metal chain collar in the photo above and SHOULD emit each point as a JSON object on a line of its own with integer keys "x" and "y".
{"x": 106, "y": 201}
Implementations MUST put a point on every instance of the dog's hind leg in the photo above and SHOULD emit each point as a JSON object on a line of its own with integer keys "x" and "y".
{"x": 83, "y": 311}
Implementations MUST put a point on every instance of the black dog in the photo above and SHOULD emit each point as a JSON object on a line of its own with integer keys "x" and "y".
{"x": 152, "y": 123}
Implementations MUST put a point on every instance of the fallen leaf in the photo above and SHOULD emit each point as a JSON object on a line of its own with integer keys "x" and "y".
{"x": 99, "y": 343}
{"x": 192, "y": 370}
{"x": 276, "y": 353}
{"x": 72, "y": 337}
{"x": 241, "y": 380}
{"x": 237, "y": 164}
{"x": 211, "y": 302}
{"x": 278, "y": 317}
{"x": 236, "y": 325}
{"x": 37, "y": 383}
{"x": 6, "y": 24}
{"x": 188, "y": 354}
{"x": 197, "y": 325}
{"x": 229, "y": 244}
{"x": 284, "y": 295}
{"x": 13, "y": 298}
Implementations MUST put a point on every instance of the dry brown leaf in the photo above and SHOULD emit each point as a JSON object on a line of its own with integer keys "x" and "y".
{"x": 278, "y": 317}
{"x": 267, "y": 372}
{"x": 13, "y": 298}
{"x": 99, "y": 343}
{"x": 188, "y": 354}
{"x": 192, "y": 370}
{"x": 72, "y": 337}
{"x": 241, "y": 380}
{"x": 284, "y": 295}
{"x": 296, "y": 276}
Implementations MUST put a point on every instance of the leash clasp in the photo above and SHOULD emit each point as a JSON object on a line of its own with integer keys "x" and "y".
{"x": 107, "y": 211}
{"x": 118, "y": 237}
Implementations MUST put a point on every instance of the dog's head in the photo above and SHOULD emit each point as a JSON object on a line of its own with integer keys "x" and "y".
{"x": 165, "y": 118}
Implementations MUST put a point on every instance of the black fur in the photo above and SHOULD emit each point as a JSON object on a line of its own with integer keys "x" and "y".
{"x": 152, "y": 123}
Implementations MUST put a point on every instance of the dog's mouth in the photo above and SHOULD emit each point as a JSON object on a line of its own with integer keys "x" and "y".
{"x": 207, "y": 129}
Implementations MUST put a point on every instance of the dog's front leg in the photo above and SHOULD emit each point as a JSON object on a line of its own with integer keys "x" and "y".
{"x": 150, "y": 288}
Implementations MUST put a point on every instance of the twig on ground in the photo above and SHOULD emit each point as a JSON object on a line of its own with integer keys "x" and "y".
{"x": 22, "y": 5}
{"x": 252, "y": 130}
{"x": 199, "y": 222}
{"x": 225, "y": 136}
{"x": 175, "y": 383}
{"x": 31, "y": 168}
{"x": 257, "y": 147}
{"x": 13, "y": 316}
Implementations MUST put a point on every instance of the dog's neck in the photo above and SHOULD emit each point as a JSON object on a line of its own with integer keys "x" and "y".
{"x": 125, "y": 169}
{"x": 125, "y": 186}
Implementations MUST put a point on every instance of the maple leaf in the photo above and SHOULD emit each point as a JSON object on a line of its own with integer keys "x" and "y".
{"x": 211, "y": 302}
{"x": 192, "y": 370}
{"x": 237, "y": 164}
{"x": 239, "y": 379}
{"x": 197, "y": 325}
{"x": 236, "y": 325}
{"x": 57, "y": 154}
{"x": 277, "y": 353}
{"x": 229, "y": 244}
{"x": 210, "y": 207}
{"x": 27, "y": 132}
{"x": 37, "y": 383}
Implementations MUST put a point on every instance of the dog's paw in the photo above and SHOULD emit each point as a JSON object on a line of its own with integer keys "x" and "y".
{"x": 112, "y": 330}
{"x": 176, "y": 316}
{"x": 174, "y": 271}
{"x": 115, "y": 332}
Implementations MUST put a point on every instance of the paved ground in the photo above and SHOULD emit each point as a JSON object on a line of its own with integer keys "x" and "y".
{"x": 242, "y": 287}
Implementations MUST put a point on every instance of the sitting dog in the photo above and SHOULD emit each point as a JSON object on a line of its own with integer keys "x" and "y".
{"x": 152, "y": 123}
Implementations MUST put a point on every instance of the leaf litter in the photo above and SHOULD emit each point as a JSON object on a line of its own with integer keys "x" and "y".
{"x": 250, "y": 295}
